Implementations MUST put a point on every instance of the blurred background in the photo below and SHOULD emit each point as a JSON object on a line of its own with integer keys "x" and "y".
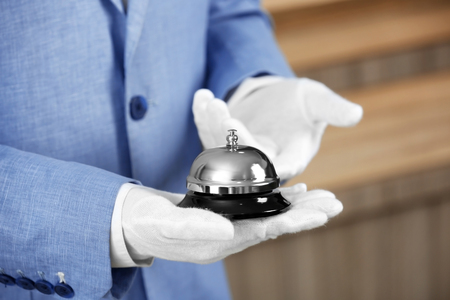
{"x": 392, "y": 171}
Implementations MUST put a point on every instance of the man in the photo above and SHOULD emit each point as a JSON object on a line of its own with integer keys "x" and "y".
{"x": 96, "y": 100}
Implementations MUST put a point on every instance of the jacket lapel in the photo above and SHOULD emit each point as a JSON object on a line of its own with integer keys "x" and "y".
{"x": 136, "y": 13}
{"x": 119, "y": 5}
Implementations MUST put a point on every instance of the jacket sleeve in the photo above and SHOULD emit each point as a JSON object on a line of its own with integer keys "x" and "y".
{"x": 55, "y": 216}
{"x": 240, "y": 45}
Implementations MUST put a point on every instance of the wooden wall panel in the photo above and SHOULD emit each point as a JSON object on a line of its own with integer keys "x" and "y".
{"x": 358, "y": 29}
{"x": 399, "y": 254}
{"x": 440, "y": 255}
{"x": 276, "y": 6}
{"x": 379, "y": 69}
{"x": 392, "y": 171}
{"x": 405, "y": 129}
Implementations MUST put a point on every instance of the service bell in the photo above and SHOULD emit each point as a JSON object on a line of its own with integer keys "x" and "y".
{"x": 236, "y": 181}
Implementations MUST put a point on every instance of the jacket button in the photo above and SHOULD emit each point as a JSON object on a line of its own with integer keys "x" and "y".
{"x": 7, "y": 280}
{"x": 64, "y": 290}
{"x": 138, "y": 107}
{"x": 44, "y": 287}
{"x": 25, "y": 283}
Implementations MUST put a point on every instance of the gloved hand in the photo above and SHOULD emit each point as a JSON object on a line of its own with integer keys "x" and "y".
{"x": 154, "y": 226}
{"x": 284, "y": 118}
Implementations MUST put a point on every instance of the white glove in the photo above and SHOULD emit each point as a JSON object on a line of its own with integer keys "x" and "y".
{"x": 284, "y": 118}
{"x": 154, "y": 226}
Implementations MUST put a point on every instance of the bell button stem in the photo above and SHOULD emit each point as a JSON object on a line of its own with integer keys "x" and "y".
{"x": 232, "y": 139}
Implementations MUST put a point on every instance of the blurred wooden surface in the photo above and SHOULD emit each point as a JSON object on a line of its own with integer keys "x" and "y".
{"x": 275, "y": 6}
{"x": 354, "y": 29}
{"x": 405, "y": 129}
{"x": 379, "y": 69}
{"x": 392, "y": 171}
{"x": 394, "y": 244}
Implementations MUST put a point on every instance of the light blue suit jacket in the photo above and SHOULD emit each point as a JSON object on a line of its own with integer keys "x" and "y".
{"x": 68, "y": 70}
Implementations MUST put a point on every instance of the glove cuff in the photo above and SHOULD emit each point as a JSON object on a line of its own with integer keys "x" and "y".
{"x": 120, "y": 257}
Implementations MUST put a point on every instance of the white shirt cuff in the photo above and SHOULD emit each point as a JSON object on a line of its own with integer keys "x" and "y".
{"x": 120, "y": 258}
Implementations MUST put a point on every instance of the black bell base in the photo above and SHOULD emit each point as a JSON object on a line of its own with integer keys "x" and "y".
{"x": 238, "y": 207}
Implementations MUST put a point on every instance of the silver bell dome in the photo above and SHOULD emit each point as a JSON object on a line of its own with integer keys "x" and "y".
{"x": 232, "y": 169}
